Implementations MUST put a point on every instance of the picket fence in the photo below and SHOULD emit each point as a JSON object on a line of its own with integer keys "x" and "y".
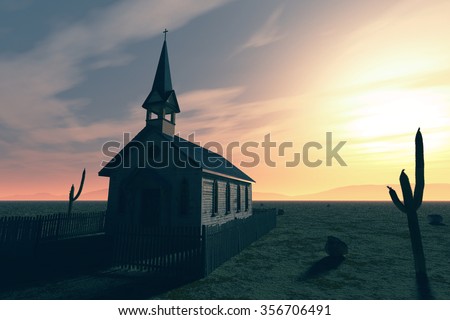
{"x": 189, "y": 252}
{"x": 221, "y": 242}
{"x": 32, "y": 229}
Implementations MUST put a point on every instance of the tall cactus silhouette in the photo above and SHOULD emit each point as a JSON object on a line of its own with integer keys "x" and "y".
{"x": 411, "y": 203}
{"x": 73, "y": 198}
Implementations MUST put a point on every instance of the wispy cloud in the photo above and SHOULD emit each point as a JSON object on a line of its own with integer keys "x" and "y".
{"x": 223, "y": 114}
{"x": 30, "y": 82}
{"x": 268, "y": 33}
{"x": 48, "y": 133}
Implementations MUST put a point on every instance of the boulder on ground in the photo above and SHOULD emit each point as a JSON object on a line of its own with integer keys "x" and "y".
{"x": 280, "y": 212}
{"x": 335, "y": 247}
{"x": 435, "y": 219}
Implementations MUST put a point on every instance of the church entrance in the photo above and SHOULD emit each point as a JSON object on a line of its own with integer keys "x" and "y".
{"x": 151, "y": 201}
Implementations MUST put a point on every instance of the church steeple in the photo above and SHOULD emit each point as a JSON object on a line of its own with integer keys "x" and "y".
{"x": 161, "y": 103}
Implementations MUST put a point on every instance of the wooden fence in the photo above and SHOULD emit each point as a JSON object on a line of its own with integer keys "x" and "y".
{"x": 174, "y": 250}
{"x": 30, "y": 230}
{"x": 187, "y": 251}
{"x": 221, "y": 242}
{"x": 37, "y": 248}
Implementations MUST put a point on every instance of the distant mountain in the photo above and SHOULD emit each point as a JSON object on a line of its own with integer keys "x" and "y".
{"x": 433, "y": 192}
{"x": 271, "y": 196}
{"x": 88, "y": 196}
{"x": 36, "y": 196}
{"x": 101, "y": 194}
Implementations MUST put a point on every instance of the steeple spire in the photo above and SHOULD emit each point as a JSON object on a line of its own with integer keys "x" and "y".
{"x": 162, "y": 100}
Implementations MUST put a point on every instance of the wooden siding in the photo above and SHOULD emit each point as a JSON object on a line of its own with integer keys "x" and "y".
{"x": 207, "y": 196}
{"x": 208, "y": 218}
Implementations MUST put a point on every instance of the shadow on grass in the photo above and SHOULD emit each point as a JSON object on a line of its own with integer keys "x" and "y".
{"x": 104, "y": 285}
{"x": 322, "y": 267}
{"x": 142, "y": 287}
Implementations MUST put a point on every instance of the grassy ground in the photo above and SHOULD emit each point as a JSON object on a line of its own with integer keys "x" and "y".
{"x": 290, "y": 263}
{"x": 109, "y": 284}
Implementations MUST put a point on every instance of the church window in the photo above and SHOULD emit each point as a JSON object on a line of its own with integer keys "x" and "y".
{"x": 246, "y": 198}
{"x": 227, "y": 199}
{"x": 238, "y": 198}
{"x": 215, "y": 197}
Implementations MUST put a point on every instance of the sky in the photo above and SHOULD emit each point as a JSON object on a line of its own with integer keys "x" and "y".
{"x": 73, "y": 75}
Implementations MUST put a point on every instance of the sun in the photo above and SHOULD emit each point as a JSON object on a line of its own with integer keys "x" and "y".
{"x": 396, "y": 112}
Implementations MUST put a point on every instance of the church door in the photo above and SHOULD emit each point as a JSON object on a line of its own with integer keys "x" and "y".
{"x": 151, "y": 206}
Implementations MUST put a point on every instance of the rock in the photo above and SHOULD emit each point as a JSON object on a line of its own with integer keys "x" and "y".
{"x": 280, "y": 212}
{"x": 435, "y": 219}
{"x": 335, "y": 247}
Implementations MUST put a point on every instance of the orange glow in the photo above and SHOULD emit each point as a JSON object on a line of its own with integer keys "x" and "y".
{"x": 372, "y": 85}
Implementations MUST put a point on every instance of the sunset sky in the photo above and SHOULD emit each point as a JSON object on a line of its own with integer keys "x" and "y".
{"x": 74, "y": 74}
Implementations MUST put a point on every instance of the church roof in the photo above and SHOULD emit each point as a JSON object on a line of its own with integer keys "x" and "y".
{"x": 208, "y": 161}
{"x": 162, "y": 94}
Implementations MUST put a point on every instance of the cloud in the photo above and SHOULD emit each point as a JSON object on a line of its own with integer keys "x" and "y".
{"x": 30, "y": 82}
{"x": 222, "y": 114}
{"x": 112, "y": 61}
{"x": 405, "y": 41}
{"x": 42, "y": 138}
{"x": 268, "y": 33}
{"x": 212, "y": 113}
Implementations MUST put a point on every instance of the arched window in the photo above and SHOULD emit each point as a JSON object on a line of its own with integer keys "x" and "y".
{"x": 238, "y": 198}
{"x": 246, "y": 198}
{"x": 184, "y": 197}
{"x": 215, "y": 198}
{"x": 227, "y": 199}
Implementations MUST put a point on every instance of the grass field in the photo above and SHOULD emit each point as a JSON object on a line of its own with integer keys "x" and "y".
{"x": 288, "y": 262}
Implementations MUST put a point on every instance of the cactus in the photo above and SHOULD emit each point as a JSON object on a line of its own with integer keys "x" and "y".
{"x": 73, "y": 198}
{"x": 411, "y": 203}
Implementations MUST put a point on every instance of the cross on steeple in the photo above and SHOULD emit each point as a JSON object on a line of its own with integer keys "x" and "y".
{"x": 165, "y": 33}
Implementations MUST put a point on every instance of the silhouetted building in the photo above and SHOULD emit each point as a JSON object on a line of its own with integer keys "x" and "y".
{"x": 160, "y": 179}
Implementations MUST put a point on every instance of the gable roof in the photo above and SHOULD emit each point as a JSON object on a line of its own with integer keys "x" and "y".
{"x": 208, "y": 161}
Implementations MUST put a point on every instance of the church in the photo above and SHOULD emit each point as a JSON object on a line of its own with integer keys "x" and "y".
{"x": 161, "y": 179}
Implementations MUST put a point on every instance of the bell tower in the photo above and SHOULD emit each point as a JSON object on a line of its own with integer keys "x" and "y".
{"x": 161, "y": 104}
